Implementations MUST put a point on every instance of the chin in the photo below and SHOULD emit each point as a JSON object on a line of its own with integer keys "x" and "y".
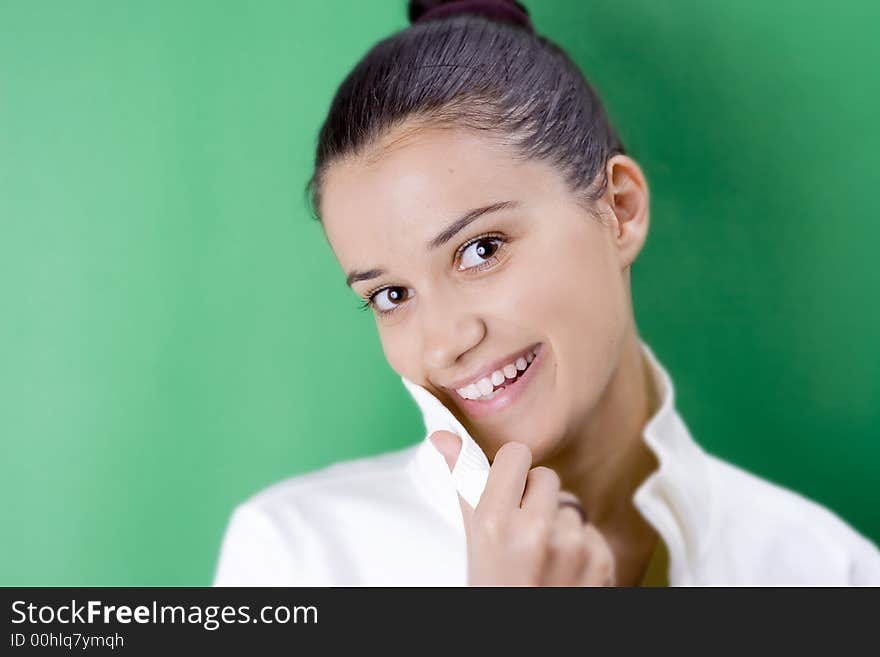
{"x": 542, "y": 448}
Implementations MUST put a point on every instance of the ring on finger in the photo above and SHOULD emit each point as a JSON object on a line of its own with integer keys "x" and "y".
{"x": 577, "y": 507}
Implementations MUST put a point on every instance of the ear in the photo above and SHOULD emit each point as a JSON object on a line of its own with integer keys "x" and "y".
{"x": 627, "y": 196}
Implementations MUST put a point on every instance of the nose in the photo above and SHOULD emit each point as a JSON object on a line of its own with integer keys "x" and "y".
{"x": 450, "y": 328}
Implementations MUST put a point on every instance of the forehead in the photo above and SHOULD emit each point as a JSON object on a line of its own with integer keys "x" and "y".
{"x": 413, "y": 183}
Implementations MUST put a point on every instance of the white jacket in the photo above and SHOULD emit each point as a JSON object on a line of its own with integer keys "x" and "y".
{"x": 394, "y": 519}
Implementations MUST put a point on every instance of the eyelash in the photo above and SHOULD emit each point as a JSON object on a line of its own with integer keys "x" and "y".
{"x": 491, "y": 260}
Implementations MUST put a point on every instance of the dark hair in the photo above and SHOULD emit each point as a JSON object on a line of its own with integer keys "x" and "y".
{"x": 470, "y": 71}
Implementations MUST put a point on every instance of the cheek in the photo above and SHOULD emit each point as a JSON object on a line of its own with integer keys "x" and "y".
{"x": 578, "y": 302}
{"x": 574, "y": 287}
{"x": 400, "y": 352}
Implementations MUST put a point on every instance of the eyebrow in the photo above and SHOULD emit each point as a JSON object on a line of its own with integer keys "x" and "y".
{"x": 442, "y": 238}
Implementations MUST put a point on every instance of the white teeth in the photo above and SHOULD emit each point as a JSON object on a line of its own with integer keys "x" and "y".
{"x": 484, "y": 386}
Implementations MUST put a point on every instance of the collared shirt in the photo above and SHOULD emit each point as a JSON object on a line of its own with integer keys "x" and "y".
{"x": 394, "y": 519}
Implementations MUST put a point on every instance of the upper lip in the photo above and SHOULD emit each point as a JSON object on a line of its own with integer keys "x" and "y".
{"x": 488, "y": 369}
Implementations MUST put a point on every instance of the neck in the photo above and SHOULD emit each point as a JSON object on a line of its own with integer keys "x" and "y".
{"x": 609, "y": 459}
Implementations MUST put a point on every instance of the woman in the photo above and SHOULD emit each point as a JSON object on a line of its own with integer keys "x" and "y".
{"x": 477, "y": 198}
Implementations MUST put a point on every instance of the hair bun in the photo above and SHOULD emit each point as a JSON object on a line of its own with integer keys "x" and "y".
{"x": 506, "y": 11}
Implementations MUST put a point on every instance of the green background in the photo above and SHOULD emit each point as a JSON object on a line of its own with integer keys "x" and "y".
{"x": 175, "y": 333}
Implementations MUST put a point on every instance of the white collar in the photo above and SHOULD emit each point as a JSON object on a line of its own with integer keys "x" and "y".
{"x": 675, "y": 499}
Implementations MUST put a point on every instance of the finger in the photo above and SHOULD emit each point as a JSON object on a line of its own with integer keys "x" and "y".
{"x": 541, "y": 496}
{"x": 567, "y": 551}
{"x": 507, "y": 478}
{"x": 449, "y": 445}
{"x": 600, "y": 566}
{"x": 566, "y": 501}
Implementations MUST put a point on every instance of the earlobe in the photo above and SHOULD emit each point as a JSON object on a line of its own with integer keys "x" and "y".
{"x": 628, "y": 198}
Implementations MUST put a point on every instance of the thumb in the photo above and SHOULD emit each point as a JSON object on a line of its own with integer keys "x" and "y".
{"x": 448, "y": 444}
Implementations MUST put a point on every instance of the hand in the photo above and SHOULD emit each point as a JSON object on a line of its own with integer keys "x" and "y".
{"x": 518, "y": 535}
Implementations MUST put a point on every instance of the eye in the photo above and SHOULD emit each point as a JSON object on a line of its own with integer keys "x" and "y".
{"x": 388, "y": 298}
{"x": 479, "y": 251}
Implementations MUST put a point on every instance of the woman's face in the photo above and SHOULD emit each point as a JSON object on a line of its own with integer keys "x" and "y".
{"x": 473, "y": 258}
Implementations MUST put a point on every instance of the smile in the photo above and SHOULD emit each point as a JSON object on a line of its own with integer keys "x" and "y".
{"x": 499, "y": 389}
{"x": 490, "y": 385}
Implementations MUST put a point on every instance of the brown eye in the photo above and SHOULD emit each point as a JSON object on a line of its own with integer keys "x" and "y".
{"x": 386, "y": 299}
{"x": 479, "y": 251}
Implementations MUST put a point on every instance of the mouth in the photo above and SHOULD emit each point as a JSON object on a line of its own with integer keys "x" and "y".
{"x": 501, "y": 388}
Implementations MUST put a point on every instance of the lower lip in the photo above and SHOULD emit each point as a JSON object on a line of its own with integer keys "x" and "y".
{"x": 505, "y": 398}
